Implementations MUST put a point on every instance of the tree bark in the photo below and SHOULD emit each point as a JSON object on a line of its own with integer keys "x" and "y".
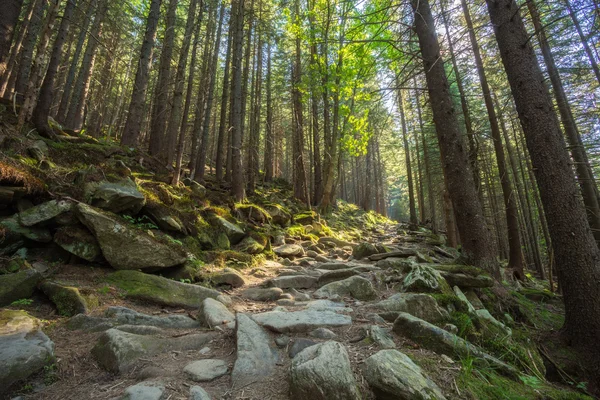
{"x": 11, "y": 9}
{"x": 237, "y": 173}
{"x": 411, "y": 194}
{"x": 575, "y": 250}
{"x": 269, "y": 133}
{"x": 478, "y": 245}
{"x": 223, "y": 122}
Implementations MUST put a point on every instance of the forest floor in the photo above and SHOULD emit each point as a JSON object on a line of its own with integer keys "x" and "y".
{"x": 350, "y": 266}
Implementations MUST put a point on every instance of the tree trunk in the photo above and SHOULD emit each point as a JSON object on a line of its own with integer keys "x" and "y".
{"x": 269, "y": 132}
{"x": 478, "y": 246}
{"x": 11, "y": 9}
{"x": 133, "y": 126}
{"x": 586, "y": 46}
{"x": 42, "y": 109}
{"x": 254, "y": 139}
{"x": 160, "y": 110}
{"x": 223, "y": 122}
{"x": 575, "y": 250}
{"x": 411, "y": 193}
{"x": 237, "y": 173}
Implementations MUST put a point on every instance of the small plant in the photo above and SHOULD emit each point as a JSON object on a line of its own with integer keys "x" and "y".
{"x": 50, "y": 374}
{"x": 104, "y": 289}
{"x": 143, "y": 222}
{"x": 185, "y": 280}
{"x": 174, "y": 241}
{"x": 22, "y": 302}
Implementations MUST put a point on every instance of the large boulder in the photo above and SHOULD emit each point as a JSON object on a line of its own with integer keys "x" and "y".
{"x": 336, "y": 275}
{"x": 323, "y": 372}
{"x": 117, "y": 351}
{"x": 468, "y": 281}
{"x": 425, "y": 279}
{"x": 117, "y": 197}
{"x": 355, "y": 286}
{"x": 394, "y": 376}
{"x": 364, "y": 249}
{"x": 126, "y": 247}
{"x": 256, "y": 356}
{"x": 418, "y": 304}
{"x": 228, "y": 277}
{"x": 19, "y": 285}
{"x": 159, "y": 290}
{"x": 279, "y": 215}
{"x": 293, "y": 282}
{"x": 67, "y": 299}
{"x": 234, "y": 233}
{"x": 289, "y": 250}
{"x": 14, "y": 235}
{"x": 301, "y": 321}
{"x": 441, "y": 341}
{"x": 206, "y": 370}
{"x": 44, "y": 212}
{"x": 260, "y": 294}
{"x": 24, "y": 348}
{"x": 78, "y": 241}
{"x": 163, "y": 217}
{"x": 252, "y": 213}
{"x": 214, "y": 313}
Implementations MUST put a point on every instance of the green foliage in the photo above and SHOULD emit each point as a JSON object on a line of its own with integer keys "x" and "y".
{"x": 22, "y": 302}
{"x": 142, "y": 222}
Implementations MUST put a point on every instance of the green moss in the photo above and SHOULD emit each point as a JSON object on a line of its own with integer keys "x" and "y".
{"x": 295, "y": 231}
{"x": 445, "y": 300}
{"x": 230, "y": 258}
{"x": 464, "y": 323}
{"x": 541, "y": 315}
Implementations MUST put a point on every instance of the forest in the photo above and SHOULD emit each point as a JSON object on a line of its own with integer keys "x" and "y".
{"x": 434, "y": 133}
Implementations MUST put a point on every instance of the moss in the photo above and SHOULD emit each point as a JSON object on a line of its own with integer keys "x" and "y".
{"x": 464, "y": 323}
{"x": 445, "y": 300}
{"x": 230, "y": 258}
{"x": 295, "y": 231}
{"x": 460, "y": 269}
{"x": 541, "y": 315}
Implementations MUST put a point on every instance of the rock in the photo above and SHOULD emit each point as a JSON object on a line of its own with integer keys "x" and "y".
{"x": 336, "y": 275}
{"x": 197, "y": 189}
{"x": 145, "y": 391}
{"x": 44, "y": 212}
{"x": 404, "y": 253}
{"x": 333, "y": 266}
{"x": 163, "y": 217}
{"x": 336, "y": 306}
{"x": 299, "y": 345}
{"x": 403, "y": 265}
{"x": 467, "y": 281}
{"x": 282, "y": 341}
{"x": 289, "y": 250}
{"x": 124, "y": 315}
{"x": 299, "y": 296}
{"x": 279, "y": 215}
{"x": 463, "y": 299}
{"x": 78, "y": 241}
{"x": 253, "y": 213}
{"x": 214, "y": 313}
{"x": 300, "y": 321}
{"x": 335, "y": 242}
{"x": 156, "y": 289}
{"x": 295, "y": 282}
{"x": 19, "y": 285}
{"x": 67, "y": 299}
{"x": 141, "y": 329}
{"x": 117, "y": 351}
{"x": 393, "y": 375}
{"x": 256, "y": 357}
{"x": 24, "y": 348}
{"x": 38, "y": 150}
{"x": 117, "y": 197}
{"x": 489, "y": 320}
{"x": 322, "y": 333}
{"x": 356, "y": 286}
{"x": 259, "y": 294}
{"x": 197, "y": 393}
{"x": 229, "y": 277}
{"x": 382, "y": 337}
{"x": 418, "y": 304}
{"x": 206, "y": 370}
{"x": 473, "y": 299}
{"x": 364, "y": 249}
{"x": 443, "y": 342}
{"x": 451, "y": 328}
{"x": 250, "y": 245}
{"x": 307, "y": 217}
{"x": 234, "y": 233}
{"x": 14, "y": 234}
{"x": 285, "y": 302}
{"x": 323, "y": 372}
{"x": 425, "y": 279}
{"x": 126, "y": 247}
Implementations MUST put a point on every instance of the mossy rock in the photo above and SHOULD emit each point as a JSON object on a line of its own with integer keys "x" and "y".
{"x": 364, "y": 249}
{"x": 253, "y": 213}
{"x": 426, "y": 280}
{"x": 306, "y": 217}
{"x": 279, "y": 214}
{"x": 190, "y": 272}
{"x": 250, "y": 245}
{"x": 79, "y": 241}
{"x": 19, "y": 285}
{"x": 159, "y": 290}
{"x": 67, "y": 299}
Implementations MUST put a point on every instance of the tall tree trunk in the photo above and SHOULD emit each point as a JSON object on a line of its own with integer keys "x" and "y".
{"x": 223, "y": 122}
{"x": 477, "y": 243}
{"x": 133, "y": 126}
{"x": 237, "y": 173}
{"x": 75, "y": 115}
{"x": 411, "y": 193}
{"x": 42, "y": 109}
{"x": 8, "y": 22}
{"x": 575, "y": 250}
{"x": 174, "y": 125}
{"x": 160, "y": 110}
{"x": 587, "y": 183}
{"x": 254, "y": 142}
{"x": 515, "y": 257}
{"x": 269, "y": 160}
{"x": 585, "y": 44}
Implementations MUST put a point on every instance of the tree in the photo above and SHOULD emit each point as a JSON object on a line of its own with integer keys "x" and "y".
{"x": 411, "y": 193}
{"x": 237, "y": 173}
{"x": 8, "y": 21}
{"x": 576, "y": 255}
{"x": 478, "y": 246}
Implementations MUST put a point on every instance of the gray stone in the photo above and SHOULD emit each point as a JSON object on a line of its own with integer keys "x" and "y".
{"x": 67, "y": 299}
{"x": 213, "y": 313}
{"x": 78, "y": 241}
{"x": 336, "y": 275}
{"x": 197, "y": 393}
{"x": 468, "y": 281}
{"x": 128, "y": 316}
{"x": 141, "y": 329}
{"x": 333, "y": 266}
{"x": 24, "y": 348}
{"x": 336, "y": 306}
{"x": 425, "y": 279}
{"x": 323, "y": 372}
{"x": 117, "y": 197}
{"x": 256, "y": 357}
{"x": 382, "y": 337}
{"x": 356, "y": 286}
{"x": 463, "y": 299}
{"x": 285, "y": 302}
{"x": 44, "y": 212}
{"x": 394, "y": 376}
{"x": 364, "y": 250}
{"x": 299, "y": 345}
{"x": 18, "y": 285}
{"x": 298, "y": 296}
{"x": 250, "y": 245}
{"x": 295, "y": 282}
{"x": 126, "y": 247}
{"x": 228, "y": 276}
{"x": 206, "y": 370}
{"x": 14, "y": 233}
{"x": 117, "y": 351}
{"x": 145, "y": 391}
{"x": 437, "y": 339}
{"x": 418, "y": 304}
{"x": 38, "y": 150}
{"x": 234, "y": 233}
{"x": 282, "y": 341}
{"x": 300, "y": 321}
{"x": 322, "y": 333}
{"x": 489, "y": 320}
{"x": 289, "y": 250}
{"x": 260, "y": 294}
{"x": 400, "y": 264}
{"x": 451, "y": 328}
